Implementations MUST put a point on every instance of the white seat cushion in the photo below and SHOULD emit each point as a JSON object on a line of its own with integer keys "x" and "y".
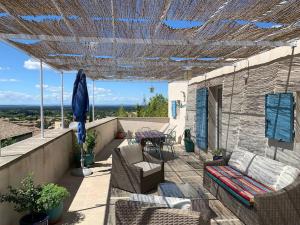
{"x": 148, "y": 168}
{"x": 132, "y": 153}
{"x": 171, "y": 202}
{"x": 265, "y": 170}
{"x": 240, "y": 160}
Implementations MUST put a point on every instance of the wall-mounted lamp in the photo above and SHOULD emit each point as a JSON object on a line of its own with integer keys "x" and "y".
{"x": 184, "y": 96}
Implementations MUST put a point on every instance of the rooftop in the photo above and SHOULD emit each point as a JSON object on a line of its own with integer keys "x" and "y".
{"x": 10, "y": 130}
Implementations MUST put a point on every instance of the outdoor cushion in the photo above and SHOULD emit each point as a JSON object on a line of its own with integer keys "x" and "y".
{"x": 148, "y": 168}
{"x": 241, "y": 186}
{"x": 270, "y": 172}
{"x": 170, "y": 202}
{"x": 240, "y": 160}
{"x": 132, "y": 153}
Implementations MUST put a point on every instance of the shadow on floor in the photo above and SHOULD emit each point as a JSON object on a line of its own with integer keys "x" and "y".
{"x": 72, "y": 218}
{"x": 73, "y": 183}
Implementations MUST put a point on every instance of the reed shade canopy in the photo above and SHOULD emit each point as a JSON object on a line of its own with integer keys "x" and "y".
{"x": 147, "y": 39}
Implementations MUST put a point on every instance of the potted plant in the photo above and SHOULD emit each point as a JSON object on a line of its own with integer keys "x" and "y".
{"x": 88, "y": 147}
{"x": 188, "y": 143}
{"x": 25, "y": 199}
{"x": 217, "y": 153}
{"x": 51, "y": 200}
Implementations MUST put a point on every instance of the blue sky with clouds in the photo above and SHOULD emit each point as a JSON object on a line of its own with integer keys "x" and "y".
{"x": 19, "y": 84}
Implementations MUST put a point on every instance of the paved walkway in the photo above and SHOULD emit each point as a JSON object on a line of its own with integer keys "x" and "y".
{"x": 87, "y": 204}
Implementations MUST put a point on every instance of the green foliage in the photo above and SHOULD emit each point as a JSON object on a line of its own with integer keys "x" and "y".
{"x": 90, "y": 141}
{"x": 34, "y": 198}
{"x": 51, "y": 196}
{"x": 218, "y": 151}
{"x": 7, "y": 142}
{"x": 121, "y": 112}
{"x": 140, "y": 111}
{"x": 157, "y": 107}
{"x": 24, "y": 198}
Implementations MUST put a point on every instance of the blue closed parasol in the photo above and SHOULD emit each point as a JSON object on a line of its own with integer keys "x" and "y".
{"x": 80, "y": 107}
{"x": 80, "y": 104}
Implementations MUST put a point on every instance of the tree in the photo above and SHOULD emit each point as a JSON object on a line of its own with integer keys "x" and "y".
{"x": 157, "y": 107}
{"x": 140, "y": 111}
{"x": 122, "y": 112}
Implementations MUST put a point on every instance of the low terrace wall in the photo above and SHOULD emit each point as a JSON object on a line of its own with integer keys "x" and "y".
{"x": 133, "y": 124}
{"x": 51, "y": 157}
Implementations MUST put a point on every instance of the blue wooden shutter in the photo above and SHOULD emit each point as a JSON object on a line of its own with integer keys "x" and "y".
{"x": 174, "y": 109}
{"x": 279, "y": 117}
{"x": 202, "y": 118}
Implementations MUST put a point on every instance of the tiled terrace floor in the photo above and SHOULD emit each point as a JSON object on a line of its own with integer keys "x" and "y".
{"x": 92, "y": 199}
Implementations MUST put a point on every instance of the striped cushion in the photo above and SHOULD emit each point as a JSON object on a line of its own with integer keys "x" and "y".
{"x": 243, "y": 187}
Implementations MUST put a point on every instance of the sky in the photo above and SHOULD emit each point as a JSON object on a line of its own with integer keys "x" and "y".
{"x": 19, "y": 84}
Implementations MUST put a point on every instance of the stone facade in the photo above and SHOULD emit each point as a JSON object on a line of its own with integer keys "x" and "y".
{"x": 243, "y": 109}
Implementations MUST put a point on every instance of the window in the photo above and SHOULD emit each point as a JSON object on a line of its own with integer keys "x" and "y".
{"x": 279, "y": 117}
{"x": 174, "y": 109}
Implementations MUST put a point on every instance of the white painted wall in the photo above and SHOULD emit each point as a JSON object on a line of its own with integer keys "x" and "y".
{"x": 175, "y": 92}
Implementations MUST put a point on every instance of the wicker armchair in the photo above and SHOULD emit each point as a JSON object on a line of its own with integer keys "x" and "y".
{"x": 276, "y": 208}
{"x": 136, "y": 213}
{"x": 134, "y": 170}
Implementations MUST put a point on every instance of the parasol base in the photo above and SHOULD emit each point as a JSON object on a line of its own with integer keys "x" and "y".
{"x": 81, "y": 172}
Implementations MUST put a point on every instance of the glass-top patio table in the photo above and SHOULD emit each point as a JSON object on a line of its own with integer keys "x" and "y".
{"x": 157, "y": 138}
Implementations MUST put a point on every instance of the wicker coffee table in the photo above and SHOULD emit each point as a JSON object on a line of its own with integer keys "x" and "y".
{"x": 199, "y": 200}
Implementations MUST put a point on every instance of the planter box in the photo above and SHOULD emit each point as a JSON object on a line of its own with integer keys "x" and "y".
{"x": 89, "y": 159}
{"x": 189, "y": 145}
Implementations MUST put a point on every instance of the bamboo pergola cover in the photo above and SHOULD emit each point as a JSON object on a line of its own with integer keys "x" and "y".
{"x": 146, "y": 39}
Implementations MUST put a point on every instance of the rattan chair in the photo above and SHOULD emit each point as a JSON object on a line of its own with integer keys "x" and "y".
{"x": 134, "y": 170}
{"x": 170, "y": 140}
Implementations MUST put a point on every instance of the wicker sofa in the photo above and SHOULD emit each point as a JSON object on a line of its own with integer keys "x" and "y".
{"x": 134, "y": 170}
{"x": 137, "y": 213}
{"x": 258, "y": 190}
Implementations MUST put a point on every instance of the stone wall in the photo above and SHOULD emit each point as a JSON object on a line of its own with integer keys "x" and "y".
{"x": 243, "y": 101}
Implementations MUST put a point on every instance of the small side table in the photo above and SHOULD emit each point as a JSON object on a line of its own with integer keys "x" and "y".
{"x": 199, "y": 200}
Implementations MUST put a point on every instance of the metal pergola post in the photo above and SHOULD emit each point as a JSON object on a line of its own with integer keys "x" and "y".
{"x": 93, "y": 100}
{"x": 42, "y": 98}
{"x": 62, "y": 100}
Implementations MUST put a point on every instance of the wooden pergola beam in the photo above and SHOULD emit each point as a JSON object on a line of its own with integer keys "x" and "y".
{"x": 194, "y": 42}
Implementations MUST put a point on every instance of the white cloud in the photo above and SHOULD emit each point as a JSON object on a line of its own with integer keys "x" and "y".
{"x": 9, "y": 97}
{"x": 45, "y": 86}
{"x": 4, "y": 68}
{"x": 52, "y": 94}
{"x": 8, "y": 80}
{"x": 32, "y": 64}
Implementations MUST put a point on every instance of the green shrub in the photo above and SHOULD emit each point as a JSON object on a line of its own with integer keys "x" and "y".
{"x": 34, "y": 198}
{"x": 25, "y": 198}
{"x": 90, "y": 141}
{"x": 218, "y": 151}
{"x": 51, "y": 196}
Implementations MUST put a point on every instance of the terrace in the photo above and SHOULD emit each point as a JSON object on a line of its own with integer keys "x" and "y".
{"x": 92, "y": 198}
{"x": 223, "y": 60}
